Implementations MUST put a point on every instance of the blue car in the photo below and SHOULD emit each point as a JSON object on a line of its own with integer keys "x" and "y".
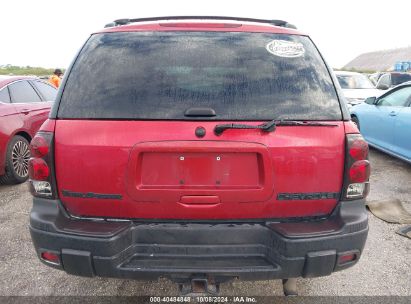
{"x": 385, "y": 121}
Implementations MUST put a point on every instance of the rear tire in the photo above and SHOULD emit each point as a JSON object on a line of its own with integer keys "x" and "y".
{"x": 17, "y": 160}
{"x": 356, "y": 121}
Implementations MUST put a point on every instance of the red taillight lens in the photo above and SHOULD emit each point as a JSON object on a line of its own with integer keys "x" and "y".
{"x": 39, "y": 147}
{"x": 347, "y": 258}
{"x": 38, "y": 169}
{"x": 50, "y": 257}
{"x": 358, "y": 149}
{"x": 357, "y": 168}
{"x": 201, "y": 25}
{"x": 360, "y": 171}
{"x": 41, "y": 165}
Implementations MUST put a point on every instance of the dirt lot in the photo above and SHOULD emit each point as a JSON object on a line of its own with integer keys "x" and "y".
{"x": 385, "y": 267}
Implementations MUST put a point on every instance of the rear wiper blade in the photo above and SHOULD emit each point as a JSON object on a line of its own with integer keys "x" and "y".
{"x": 305, "y": 123}
{"x": 270, "y": 126}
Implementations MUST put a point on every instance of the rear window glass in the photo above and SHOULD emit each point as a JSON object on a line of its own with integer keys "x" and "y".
{"x": 159, "y": 75}
{"x": 23, "y": 92}
{"x": 400, "y": 78}
{"x": 4, "y": 95}
{"x": 355, "y": 82}
{"x": 49, "y": 93}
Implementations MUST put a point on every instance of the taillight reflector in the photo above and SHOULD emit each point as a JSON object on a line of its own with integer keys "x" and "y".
{"x": 50, "y": 257}
{"x": 347, "y": 258}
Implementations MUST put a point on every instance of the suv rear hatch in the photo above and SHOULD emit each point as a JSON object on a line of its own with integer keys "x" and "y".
{"x": 134, "y": 135}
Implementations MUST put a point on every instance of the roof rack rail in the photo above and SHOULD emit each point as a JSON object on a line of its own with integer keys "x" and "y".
{"x": 281, "y": 23}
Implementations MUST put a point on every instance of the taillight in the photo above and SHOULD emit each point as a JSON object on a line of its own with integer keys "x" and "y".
{"x": 357, "y": 168}
{"x": 39, "y": 146}
{"x": 38, "y": 169}
{"x": 358, "y": 148}
{"x": 347, "y": 258}
{"x": 359, "y": 171}
{"x": 50, "y": 257}
{"x": 41, "y": 164}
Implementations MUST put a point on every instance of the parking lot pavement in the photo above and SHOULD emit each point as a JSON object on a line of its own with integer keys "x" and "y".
{"x": 384, "y": 269}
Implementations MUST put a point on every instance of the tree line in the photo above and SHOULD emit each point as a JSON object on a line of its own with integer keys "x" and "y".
{"x": 9, "y": 69}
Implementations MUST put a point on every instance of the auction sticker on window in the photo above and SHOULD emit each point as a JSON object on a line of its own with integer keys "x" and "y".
{"x": 284, "y": 48}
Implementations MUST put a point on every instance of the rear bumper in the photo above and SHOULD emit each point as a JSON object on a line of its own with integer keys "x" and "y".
{"x": 179, "y": 251}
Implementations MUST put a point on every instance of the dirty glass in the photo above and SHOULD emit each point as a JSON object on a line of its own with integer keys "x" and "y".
{"x": 159, "y": 75}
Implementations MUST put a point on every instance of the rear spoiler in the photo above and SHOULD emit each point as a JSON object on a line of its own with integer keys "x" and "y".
{"x": 120, "y": 22}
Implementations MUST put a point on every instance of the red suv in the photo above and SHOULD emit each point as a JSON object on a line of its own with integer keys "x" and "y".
{"x": 25, "y": 104}
{"x": 201, "y": 149}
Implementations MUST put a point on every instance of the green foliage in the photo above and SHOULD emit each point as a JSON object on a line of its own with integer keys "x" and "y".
{"x": 9, "y": 69}
{"x": 363, "y": 71}
{"x": 357, "y": 70}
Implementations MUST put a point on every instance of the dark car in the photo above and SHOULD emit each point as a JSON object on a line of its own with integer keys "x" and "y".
{"x": 202, "y": 151}
{"x": 392, "y": 79}
{"x": 25, "y": 103}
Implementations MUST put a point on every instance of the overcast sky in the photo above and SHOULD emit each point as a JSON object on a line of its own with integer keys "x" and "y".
{"x": 49, "y": 33}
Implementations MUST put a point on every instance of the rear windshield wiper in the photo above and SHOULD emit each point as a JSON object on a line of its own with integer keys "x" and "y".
{"x": 265, "y": 127}
{"x": 270, "y": 126}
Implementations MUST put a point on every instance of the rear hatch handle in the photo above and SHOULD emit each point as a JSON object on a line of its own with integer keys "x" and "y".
{"x": 202, "y": 112}
{"x": 270, "y": 126}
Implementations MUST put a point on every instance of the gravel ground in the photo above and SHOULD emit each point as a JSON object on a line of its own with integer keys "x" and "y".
{"x": 384, "y": 269}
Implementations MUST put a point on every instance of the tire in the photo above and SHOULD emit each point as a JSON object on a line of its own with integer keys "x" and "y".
{"x": 17, "y": 158}
{"x": 356, "y": 121}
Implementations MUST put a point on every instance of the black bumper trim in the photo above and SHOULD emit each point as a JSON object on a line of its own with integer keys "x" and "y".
{"x": 250, "y": 251}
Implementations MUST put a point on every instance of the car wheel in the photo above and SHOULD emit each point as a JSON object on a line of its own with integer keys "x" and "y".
{"x": 17, "y": 161}
{"x": 356, "y": 121}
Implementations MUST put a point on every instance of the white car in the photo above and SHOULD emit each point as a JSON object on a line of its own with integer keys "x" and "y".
{"x": 356, "y": 87}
